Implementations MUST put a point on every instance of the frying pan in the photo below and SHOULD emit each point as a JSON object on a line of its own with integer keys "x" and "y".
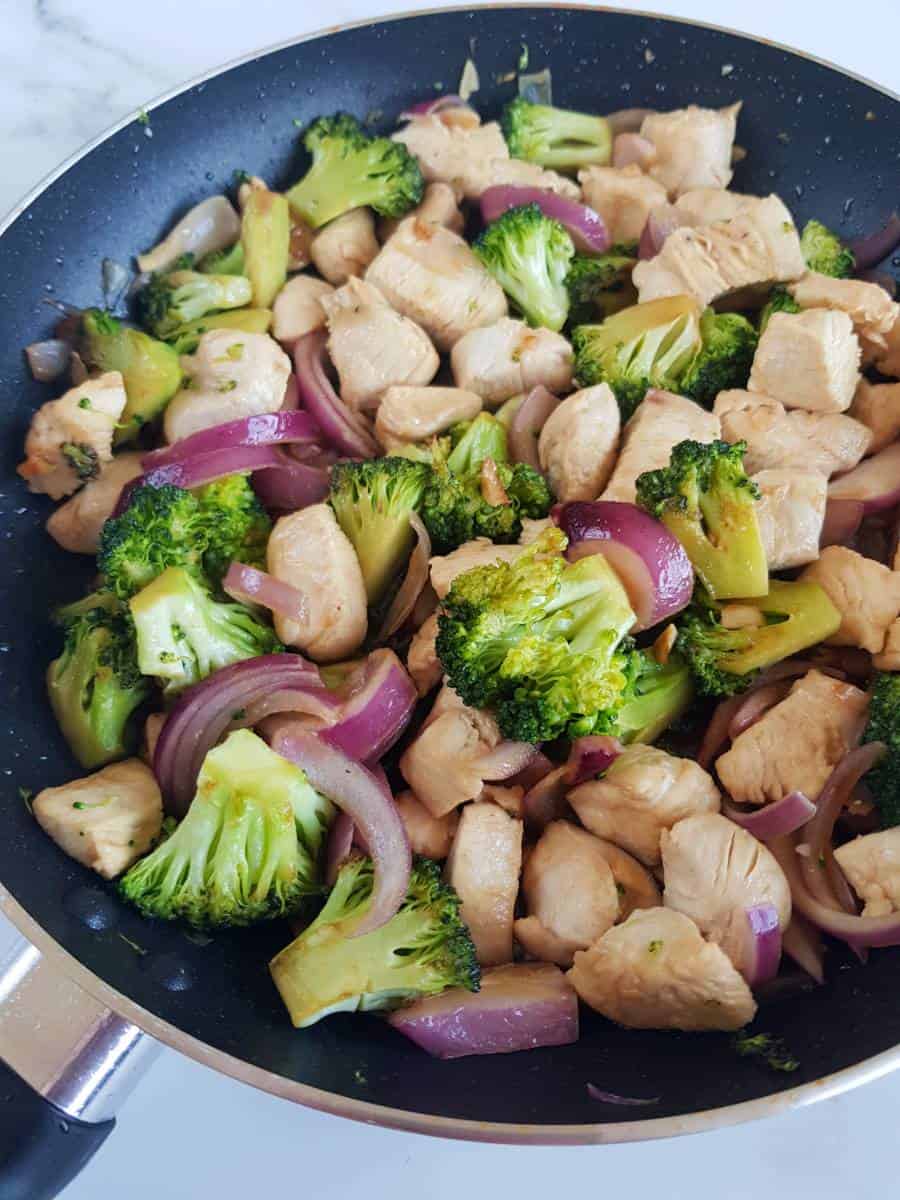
{"x": 828, "y": 143}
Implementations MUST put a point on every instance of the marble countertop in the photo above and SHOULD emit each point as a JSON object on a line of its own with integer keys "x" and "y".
{"x": 68, "y": 69}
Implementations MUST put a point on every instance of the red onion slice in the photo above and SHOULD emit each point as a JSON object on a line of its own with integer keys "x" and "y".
{"x": 585, "y": 226}
{"x": 414, "y": 581}
{"x": 631, "y": 148}
{"x": 716, "y": 736}
{"x": 662, "y": 221}
{"x": 346, "y": 430}
{"x": 48, "y": 360}
{"x": 528, "y": 422}
{"x": 842, "y": 520}
{"x": 504, "y": 761}
{"x": 251, "y": 586}
{"x": 628, "y": 120}
{"x": 291, "y": 485}
{"x": 539, "y": 766}
{"x": 762, "y": 954}
{"x": 428, "y": 108}
{"x": 264, "y": 429}
{"x": 802, "y": 942}
{"x": 871, "y": 250}
{"x": 338, "y": 846}
{"x": 781, "y": 817}
{"x": 355, "y": 791}
{"x": 546, "y": 800}
{"x": 756, "y": 705}
{"x": 204, "y": 468}
{"x": 590, "y": 756}
{"x": 875, "y": 482}
{"x": 315, "y": 702}
{"x": 377, "y": 709}
{"x": 603, "y": 1097}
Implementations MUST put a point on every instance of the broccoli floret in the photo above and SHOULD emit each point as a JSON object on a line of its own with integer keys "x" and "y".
{"x": 424, "y": 949}
{"x": 186, "y": 338}
{"x": 183, "y": 634}
{"x": 657, "y": 697}
{"x": 599, "y": 287}
{"x": 350, "y": 169}
{"x": 884, "y": 726}
{"x": 234, "y": 524}
{"x": 555, "y": 137}
{"x": 728, "y": 343}
{"x": 823, "y": 251}
{"x": 162, "y": 527}
{"x": 171, "y": 300}
{"x": 724, "y": 661}
{"x": 528, "y": 254}
{"x": 95, "y": 686}
{"x": 707, "y": 500}
{"x": 223, "y": 262}
{"x": 780, "y": 300}
{"x": 647, "y": 345}
{"x": 373, "y": 502}
{"x": 249, "y": 847}
{"x": 540, "y": 641}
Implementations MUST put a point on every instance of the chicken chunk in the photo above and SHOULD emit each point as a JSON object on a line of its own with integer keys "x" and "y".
{"x": 623, "y": 196}
{"x": 659, "y": 423}
{"x": 868, "y": 306}
{"x": 76, "y": 524}
{"x": 888, "y": 360}
{"x": 451, "y": 153}
{"x": 372, "y": 346}
{"x": 707, "y": 205}
{"x": 428, "y": 835}
{"x": 71, "y": 438}
{"x": 655, "y": 971}
{"x": 422, "y": 662}
{"x": 872, "y": 865}
{"x": 416, "y": 414}
{"x": 807, "y": 360}
{"x": 642, "y": 793}
{"x": 345, "y": 246}
{"x": 693, "y": 146}
{"x": 791, "y": 512}
{"x": 578, "y": 445}
{"x": 107, "y": 820}
{"x": 484, "y": 865}
{"x": 877, "y": 406}
{"x": 509, "y": 358}
{"x": 231, "y": 374}
{"x": 310, "y": 551}
{"x": 634, "y": 883}
{"x": 797, "y": 743}
{"x": 865, "y": 593}
{"x": 480, "y": 552}
{"x": 714, "y": 872}
{"x": 888, "y": 659}
{"x": 430, "y": 274}
{"x": 297, "y": 310}
{"x": 439, "y": 207}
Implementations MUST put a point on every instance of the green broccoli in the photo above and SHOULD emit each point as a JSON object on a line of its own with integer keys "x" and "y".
{"x": 186, "y": 338}
{"x": 423, "y": 949}
{"x": 171, "y": 300}
{"x": 235, "y": 525}
{"x": 728, "y": 343}
{"x": 95, "y": 686}
{"x": 372, "y": 502}
{"x": 706, "y": 499}
{"x": 647, "y": 345}
{"x": 884, "y": 726}
{"x": 223, "y": 262}
{"x": 780, "y": 300}
{"x": 249, "y": 848}
{"x": 183, "y": 634}
{"x": 599, "y": 287}
{"x": 823, "y": 251}
{"x": 528, "y": 254}
{"x": 350, "y": 169}
{"x": 540, "y": 641}
{"x": 657, "y": 697}
{"x": 555, "y": 137}
{"x": 793, "y": 616}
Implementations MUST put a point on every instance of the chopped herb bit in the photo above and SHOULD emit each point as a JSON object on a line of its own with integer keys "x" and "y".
{"x": 655, "y": 946}
{"x": 239, "y": 714}
{"x": 771, "y": 1050}
{"x": 134, "y": 946}
{"x": 227, "y": 385}
{"x": 25, "y": 795}
{"x": 361, "y": 1077}
{"x": 83, "y": 459}
{"x": 84, "y": 402}
{"x": 235, "y": 352}
{"x": 143, "y": 117}
{"x": 523, "y": 58}
{"x": 620, "y": 888}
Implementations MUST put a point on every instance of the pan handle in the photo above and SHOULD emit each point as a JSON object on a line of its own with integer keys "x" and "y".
{"x": 66, "y": 1064}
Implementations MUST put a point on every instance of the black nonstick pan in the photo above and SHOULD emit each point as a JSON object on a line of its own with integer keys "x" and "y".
{"x": 828, "y": 143}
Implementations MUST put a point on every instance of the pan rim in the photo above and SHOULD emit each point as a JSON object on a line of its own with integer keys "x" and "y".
{"x": 334, "y": 1103}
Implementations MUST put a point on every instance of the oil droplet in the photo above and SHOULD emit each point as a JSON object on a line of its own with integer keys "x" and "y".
{"x": 93, "y": 908}
{"x": 172, "y": 973}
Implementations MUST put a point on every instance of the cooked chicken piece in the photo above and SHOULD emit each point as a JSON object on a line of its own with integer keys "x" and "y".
{"x": 297, "y": 310}
{"x": 659, "y": 423}
{"x": 655, "y": 971}
{"x": 739, "y": 258}
{"x": 807, "y": 360}
{"x": 310, "y": 551}
{"x": 781, "y": 440}
{"x": 623, "y": 196}
{"x": 872, "y": 865}
{"x": 428, "y": 835}
{"x": 231, "y": 374}
{"x": 643, "y": 792}
{"x": 415, "y": 414}
{"x": 539, "y": 943}
{"x": 798, "y": 742}
{"x": 868, "y": 306}
{"x": 509, "y": 358}
{"x": 693, "y": 146}
{"x": 70, "y": 439}
{"x": 76, "y": 524}
{"x": 452, "y": 154}
{"x": 877, "y": 406}
{"x": 422, "y": 662}
{"x": 484, "y": 865}
{"x": 791, "y": 511}
{"x": 578, "y": 445}
{"x": 533, "y": 528}
{"x": 153, "y": 727}
{"x": 345, "y": 246}
{"x": 107, "y": 820}
{"x": 865, "y": 593}
{"x": 438, "y": 206}
{"x": 515, "y": 172}
{"x": 480, "y": 552}
{"x": 634, "y": 883}
{"x": 510, "y": 799}
{"x": 707, "y": 205}
{"x": 889, "y": 657}
{"x": 372, "y": 346}
{"x": 430, "y": 274}
{"x": 714, "y": 872}
{"x": 888, "y": 360}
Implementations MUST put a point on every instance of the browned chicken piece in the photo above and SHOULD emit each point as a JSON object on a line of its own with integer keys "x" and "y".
{"x": 868, "y": 306}
{"x": 888, "y": 659}
{"x": 808, "y": 360}
{"x": 453, "y": 154}
{"x": 872, "y": 865}
{"x": 642, "y": 793}
{"x": 431, "y": 275}
{"x": 655, "y": 971}
{"x": 578, "y": 445}
{"x": 345, "y": 246}
{"x": 693, "y": 146}
{"x": 877, "y": 406}
{"x": 791, "y": 512}
{"x": 539, "y": 943}
{"x": 76, "y": 524}
{"x": 415, "y": 414}
{"x": 439, "y": 206}
{"x": 706, "y": 205}
{"x": 372, "y": 346}
{"x": 634, "y": 883}
{"x": 297, "y": 310}
{"x": 623, "y": 196}
{"x": 797, "y": 744}
{"x": 428, "y": 835}
{"x": 888, "y": 360}
{"x": 515, "y": 172}
{"x": 659, "y": 423}
{"x": 480, "y": 552}
{"x": 781, "y": 440}
{"x": 714, "y": 872}
{"x": 484, "y": 865}
{"x": 866, "y": 594}
{"x": 422, "y": 662}
{"x": 510, "y": 358}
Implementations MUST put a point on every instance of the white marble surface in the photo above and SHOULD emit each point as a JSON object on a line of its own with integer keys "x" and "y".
{"x": 68, "y": 68}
